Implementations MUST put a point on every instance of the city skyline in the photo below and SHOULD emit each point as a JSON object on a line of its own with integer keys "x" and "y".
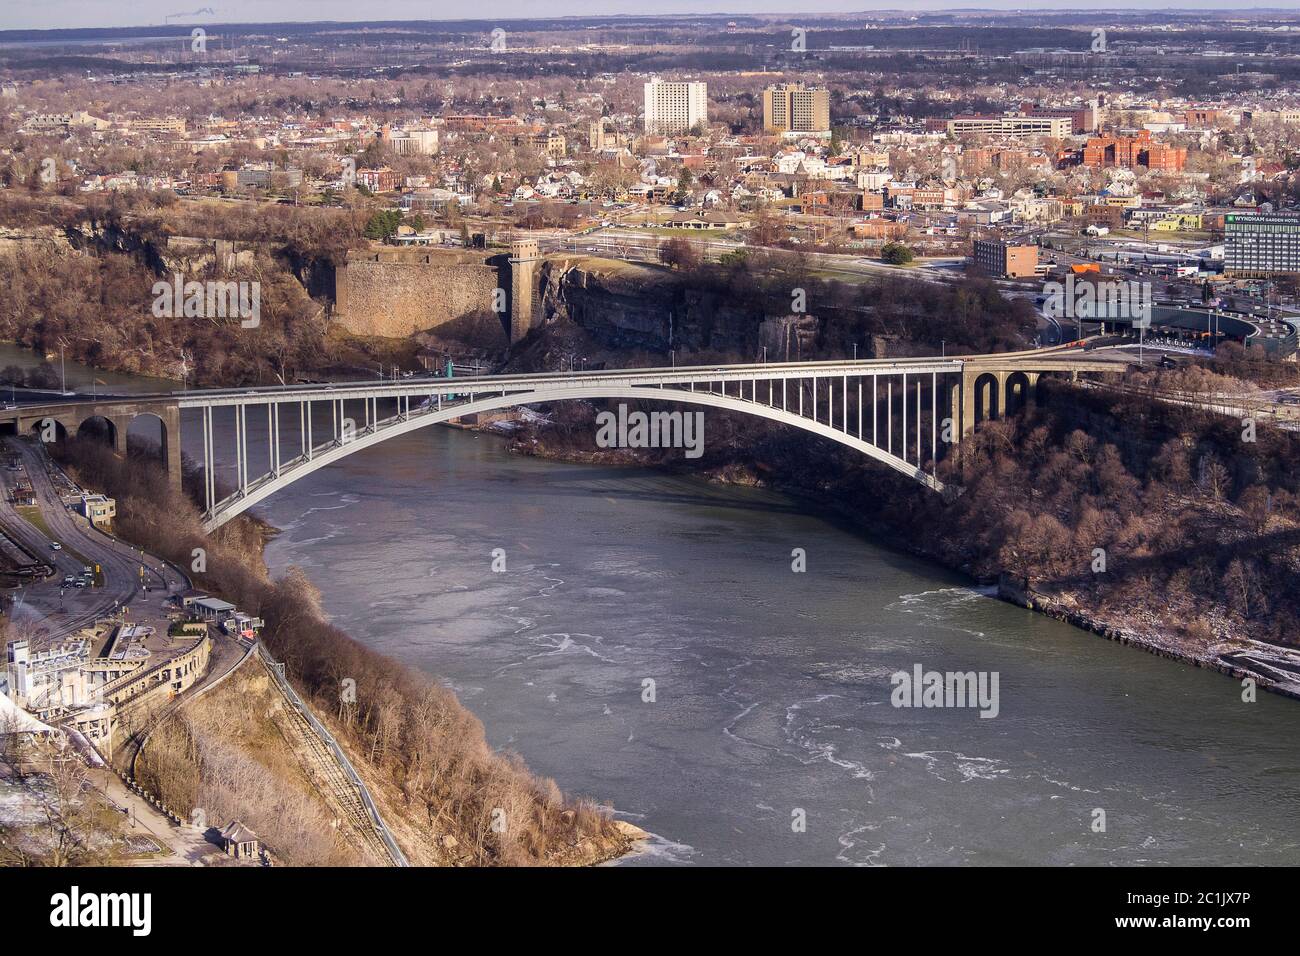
{"x": 89, "y": 14}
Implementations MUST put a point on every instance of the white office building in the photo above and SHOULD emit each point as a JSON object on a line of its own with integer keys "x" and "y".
{"x": 675, "y": 107}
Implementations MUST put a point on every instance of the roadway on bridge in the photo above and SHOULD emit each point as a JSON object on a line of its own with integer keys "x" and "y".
{"x": 1071, "y": 357}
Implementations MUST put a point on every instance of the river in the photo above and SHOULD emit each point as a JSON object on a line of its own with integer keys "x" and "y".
{"x": 771, "y": 738}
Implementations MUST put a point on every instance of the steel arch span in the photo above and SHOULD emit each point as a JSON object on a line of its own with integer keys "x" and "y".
{"x": 892, "y": 411}
{"x": 401, "y": 424}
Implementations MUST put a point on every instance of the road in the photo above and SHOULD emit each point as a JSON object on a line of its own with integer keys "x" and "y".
{"x": 58, "y": 614}
{"x": 1277, "y": 407}
{"x": 181, "y": 845}
{"x": 643, "y": 246}
{"x": 227, "y": 654}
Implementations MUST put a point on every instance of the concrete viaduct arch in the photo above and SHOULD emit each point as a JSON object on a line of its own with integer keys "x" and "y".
{"x": 51, "y": 422}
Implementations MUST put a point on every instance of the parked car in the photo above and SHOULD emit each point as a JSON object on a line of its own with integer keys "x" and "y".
{"x": 55, "y": 546}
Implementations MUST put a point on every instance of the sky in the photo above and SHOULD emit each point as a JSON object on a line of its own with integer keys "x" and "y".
{"x": 53, "y": 14}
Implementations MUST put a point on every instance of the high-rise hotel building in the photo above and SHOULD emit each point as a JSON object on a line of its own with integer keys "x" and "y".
{"x": 1259, "y": 244}
{"x": 672, "y": 107}
{"x": 794, "y": 108}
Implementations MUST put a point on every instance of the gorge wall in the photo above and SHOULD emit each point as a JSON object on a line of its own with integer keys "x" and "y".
{"x": 625, "y": 305}
{"x": 622, "y": 306}
{"x": 448, "y": 293}
{"x": 393, "y": 292}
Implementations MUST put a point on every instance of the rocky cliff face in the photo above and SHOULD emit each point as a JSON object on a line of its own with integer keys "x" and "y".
{"x": 48, "y": 240}
{"x": 628, "y": 306}
{"x": 97, "y": 237}
{"x": 621, "y": 305}
{"x": 189, "y": 255}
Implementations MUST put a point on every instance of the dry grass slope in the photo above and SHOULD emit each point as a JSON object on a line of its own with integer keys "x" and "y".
{"x": 227, "y": 753}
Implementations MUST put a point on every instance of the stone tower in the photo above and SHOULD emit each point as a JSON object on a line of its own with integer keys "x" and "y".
{"x": 523, "y": 267}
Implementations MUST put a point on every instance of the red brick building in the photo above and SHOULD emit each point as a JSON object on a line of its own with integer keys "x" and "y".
{"x": 1202, "y": 118}
{"x": 1004, "y": 260}
{"x": 873, "y": 201}
{"x": 1139, "y": 150}
{"x": 378, "y": 180}
{"x": 1082, "y": 120}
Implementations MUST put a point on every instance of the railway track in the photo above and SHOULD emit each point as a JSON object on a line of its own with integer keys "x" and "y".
{"x": 329, "y": 777}
{"x": 328, "y": 771}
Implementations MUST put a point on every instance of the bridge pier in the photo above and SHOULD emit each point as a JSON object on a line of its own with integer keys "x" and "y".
{"x": 1031, "y": 389}
{"x": 954, "y": 403}
{"x": 120, "y": 425}
{"x": 967, "y": 411}
{"x": 971, "y": 403}
{"x": 171, "y": 444}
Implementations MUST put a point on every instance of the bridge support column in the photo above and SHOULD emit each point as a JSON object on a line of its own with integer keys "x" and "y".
{"x": 967, "y": 412}
{"x": 120, "y": 425}
{"x": 953, "y": 401}
{"x": 209, "y": 483}
{"x": 171, "y": 444}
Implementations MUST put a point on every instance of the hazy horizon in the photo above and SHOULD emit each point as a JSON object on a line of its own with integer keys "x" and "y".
{"x": 81, "y": 14}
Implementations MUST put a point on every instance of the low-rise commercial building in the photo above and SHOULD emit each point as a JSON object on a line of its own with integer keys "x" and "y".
{"x": 1013, "y": 125}
{"x": 99, "y": 510}
{"x": 1005, "y": 260}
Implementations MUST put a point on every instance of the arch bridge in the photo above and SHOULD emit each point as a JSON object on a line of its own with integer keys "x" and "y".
{"x": 907, "y": 414}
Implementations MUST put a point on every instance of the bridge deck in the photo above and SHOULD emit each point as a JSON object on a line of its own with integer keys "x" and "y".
{"x": 957, "y": 378}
